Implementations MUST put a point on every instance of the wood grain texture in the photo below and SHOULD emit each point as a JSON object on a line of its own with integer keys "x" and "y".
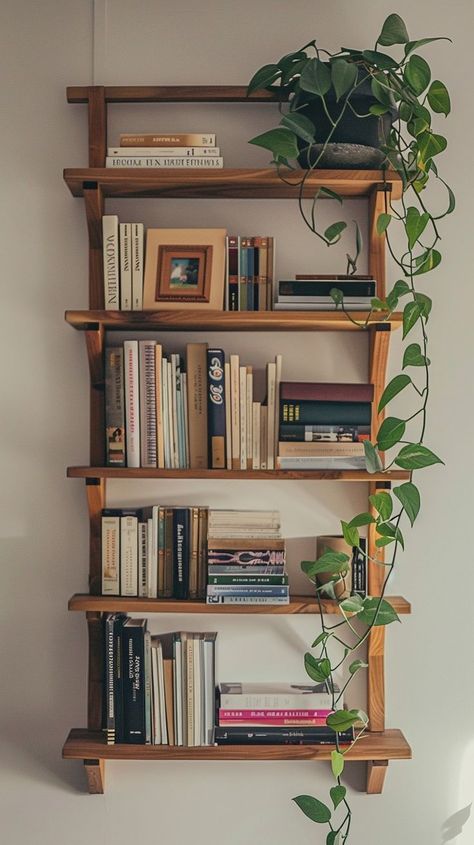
{"x": 246, "y": 474}
{"x": 95, "y": 686}
{"x": 379, "y": 199}
{"x": 227, "y": 321}
{"x": 298, "y": 604}
{"x": 376, "y": 771}
{"x": 95, "y": 489}
{"x": 244, "y": 183}
{"x": 95, "y": 773}
{"x": 95, "y": 340}
{"x": 174, "y": 94}
{"x": 82, "y": 744}
{"x": 97, "y": 114}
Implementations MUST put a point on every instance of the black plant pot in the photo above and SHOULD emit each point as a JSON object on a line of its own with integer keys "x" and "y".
{"x": 356, "y": 142}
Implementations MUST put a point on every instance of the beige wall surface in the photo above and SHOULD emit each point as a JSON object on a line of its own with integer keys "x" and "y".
{"x": 44, "y": 427}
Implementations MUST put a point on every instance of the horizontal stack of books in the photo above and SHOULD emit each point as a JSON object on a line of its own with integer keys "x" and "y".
{"x": 159, "y": 690}
{"x": 246, "y": 557}
{"x": 323, "y": 425}
{"x": 275, "y": 714}
{"x": 250, "y": 272}
{"x": 199, "y": 414}
{"x": 193, "y": 150}
{"x": 313, "y": 293}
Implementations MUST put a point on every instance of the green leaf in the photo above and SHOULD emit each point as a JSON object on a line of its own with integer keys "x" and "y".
{"x": 411, "y": 313}
{"x": 280, "y": 141}
{"x": 414, "y": 45}
{"x": 287, "y": 62}
{"x": 331, "y": 194}
{"x": 413, "y": 356}
{"x": 318, "y": 669}
{"x": 395, "y": 386}
{"x": 390, "y": 432}
{"x": 416, "y": 456}
{"x": 405, "y": 111}
{"x": 299, "y": 125}
{"x": 361, "y": 519}
{"x": 388, "y": 529}
{"x": 438, "y": 97}
{"x": 332, "y": 562}
{"x": 384, "y": 616}
{"x": 378, "y": 109}
{"x": 382, "y": 222}
{"x": 415, "y": 224}
{"x": 382, "y": 502}
{"x": 321, "y": 638}
{"x": 381, "y": 93}
{"x": 372, "y": 458}
{"x": 351, "y": 535}
{"x": 352, "y": 605}
{"x": 409, "y": 496}
{"x": 429, "y": 145}
{"x": 316, "y": 78}
{"x": 343, "y": 76}
{"x": 337, "y": 793}
{"x": 264, "y": 77}
{"x": 417, "y": 74}
{"x": 334, "y": 836}
{"x": 333, "y": 232}
{"x": 336, "y": 295}
{"x": 427, "y": 261}
{"x": 337, "y": 763}
{"x": 401, "y": 288}
{"x": 425, "y": 303}
{"x": 380, "y": 60}
{"x": 384, "y": 541}
{"x": 394, "y": 31}
{"x": 378, "y": 304}
{"x": 313, "y": 809}
{"x": 341, "y": 720}
{"x": 356, "y": 665}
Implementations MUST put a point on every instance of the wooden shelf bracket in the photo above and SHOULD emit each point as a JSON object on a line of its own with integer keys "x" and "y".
{"x": 95, "y": 773}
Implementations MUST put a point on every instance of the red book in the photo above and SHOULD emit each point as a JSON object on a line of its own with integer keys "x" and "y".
{"x": 326, "y": 392}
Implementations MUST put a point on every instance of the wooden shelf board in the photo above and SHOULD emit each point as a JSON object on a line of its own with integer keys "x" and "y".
{"x": 244, "y": 474}
{"x": 228, "y": 321}
{"x": 244, "y": 183}
{"x": 298, "y": 604}
{"x": 84, "y": 745}
{"x": 175, "y": 94}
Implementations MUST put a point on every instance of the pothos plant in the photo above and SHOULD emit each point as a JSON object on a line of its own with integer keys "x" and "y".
{"x": 404, "y": 101}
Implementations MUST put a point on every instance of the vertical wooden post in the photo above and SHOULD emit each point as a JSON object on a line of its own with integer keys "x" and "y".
{"x": 94, "y": 204}
{"x": 95, "y": 488}
{"x": 95, "y": 773}
{"x": 376, "y": 771}
{"x": 378, "y": 202}
{"x": 95, "y": 688}
{"x": 95, "y": 344}
{"x": 97, "y": 113}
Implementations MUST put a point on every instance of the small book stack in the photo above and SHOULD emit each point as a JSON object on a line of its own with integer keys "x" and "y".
{"x": 192, "y": 150}
{"x": 250, "y": 272}
{"x": 323, "y": 426}
{"x": 246, "y": 557}
{"x": 275, "y": 714}
{"x": 159, "y": 690}
{"x": 313, "y": 293}
{"x": 123, "y": 247}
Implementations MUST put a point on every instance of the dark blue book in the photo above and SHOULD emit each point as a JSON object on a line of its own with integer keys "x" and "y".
{"x": 133, "y": 667}
{"x": 216, "y": 408}
{"x": 181, "y": 553}
{"x": 244, "y": 735}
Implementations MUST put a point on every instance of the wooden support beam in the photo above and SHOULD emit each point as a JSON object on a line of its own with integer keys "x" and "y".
{"x": 376, "y": 771}
{"x": 95, "y": 773}
{"x": 95, "y": 341}
{"x": 95, "y": 489}
{"x": 97, "y": 113}
{"x": 94, "y": 204}
{"x": 95, "y": 687}
{"x": 378, "y": 203}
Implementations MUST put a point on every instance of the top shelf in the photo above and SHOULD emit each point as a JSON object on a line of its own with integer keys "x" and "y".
{"x": 175, "y": 94}
{"x": 237, "y": 183}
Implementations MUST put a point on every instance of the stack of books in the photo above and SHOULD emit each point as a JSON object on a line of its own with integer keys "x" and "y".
{"x": 123, "y": 258}
{"x": 194, "y": 150}
{"x": 275, "y": 714}
{"x": 250, "y": 272}
{"x": 313, "y": 293}
{"x": 159, "y": 690}
{"x": 323, "y": 426}
{"x": 198, "y": 413}
{"x": 246, "y": 557}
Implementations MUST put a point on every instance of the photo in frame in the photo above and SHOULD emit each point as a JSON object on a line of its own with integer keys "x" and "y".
{"x": 184, "y": 268}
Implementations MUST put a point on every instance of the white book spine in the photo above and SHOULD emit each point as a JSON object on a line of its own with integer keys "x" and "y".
{"x": 158, "y": 152}
{"x": 174, "y": 418}
{"x": 329, "y": 463}
{"x": 153, "y": 574}
{"x": 263, "y": 436}
{"x": 110, "y": 248}
{"x": 249, "y": 409}
{"x": 110, "y": 555}
{"x": 160, "y": 453}
{"x": 138, "y": 237}
{"x": 149, "y": 558}
{"x": 171, "y": 417}
{"x": 235, "y": 409}
{"x": 256, "y": 435}
{"x": 143, "y": 559}
{"x": 226, "y": 283}
{"x": 128, "y": 555}
{"x": 243, "y": 416}
{"x": 276, "y": 428}
{"x": 167, "y": 162}
{"x": 147, "y": 402}
{"x": 228, "y": 416}
{"x": 271, "y": 377}
{"x": 166, "y": 437}
{"x": 125, "y": 266}
{"x": 132, "y": 405}
{"x": 184, "y": 391}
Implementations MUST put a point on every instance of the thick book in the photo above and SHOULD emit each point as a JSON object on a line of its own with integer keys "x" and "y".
{"x": 303, "y": 288}
{"x": 258, "y": 695}
{"x": 248, "y": 590}
{"x": 318, "y": 463}
{"x": 324, "y": 433}
{"x": 247, "y": 569}
{"x": 128, "y": 555}
{"x": 114, "y": 709}
{"x": 168, "y": 139}
{"x": 110, "y": 542}
{"x": 132, "y": 152}
{"x": 271, "y": 715}
{"x": 132, "y": 402}
{"x": 125, "y": 266}
{"x": 320, "y": 450}
{"x": 276, "y": 722}
{"x": 138, "y": 239}
{"x": 110, "y": 247}
{"x": 280, "y": 736}
{"x": 313, "y": 412}
{"x": 133, "y": 653}
{"x": 216, "y": 412}
{"x": 147, "y": 391}
{"x": 181, "y": 552}
{"x": 196, "y": 366}
{"x": 248, "y": 600}
{"x": 326, "y": 391}
{"x": 244, "y": 580}
{"x": 167, "y": 162}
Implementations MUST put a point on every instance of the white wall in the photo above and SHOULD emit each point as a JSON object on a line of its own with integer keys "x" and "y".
{"x": 45, "y": 417}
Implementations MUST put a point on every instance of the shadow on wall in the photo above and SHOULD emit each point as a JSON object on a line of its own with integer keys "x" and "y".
{"x": 454, "y": 825}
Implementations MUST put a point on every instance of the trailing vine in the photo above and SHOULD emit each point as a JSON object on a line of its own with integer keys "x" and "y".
{"x": 403, "y": 89}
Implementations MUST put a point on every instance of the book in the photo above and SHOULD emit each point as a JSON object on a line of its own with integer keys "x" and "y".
{"x": 271, "y": 406}
{"x": 319, "y": 413}
{"x": 110, "y": 248}
{"x": 326, "y": 391}
{"x": 259, "y": 695}
{"x": 251, "y": 568}
{"x": 243, "y": 417}
{"x": 235, "y": 409}
{"x": 360, "y": 305}
{"x": 321, "y": 288}
{"x": 256, "y": 414}
{"x": 315, "y": 463}
{"x": 110, "y": 546}
{"x": 132, "y": 152}
{"x": 233, "y": 272}
{"x": 138, "y": 237}
{"x": 125, "y": 230}
{"x": 132, "y": 402}
{"x": 175, "y": 139}
{"x": 114, "y": 407}
{"x": 128, "y": 555}
{"x": 196, "y": 365}
{"x": 216, "y": 412}
{"x": 323, "y": 450}
{"x": 159, "y": 411}
{"x": 325, "y": 433}
{"x": 181, "y": 548}
{"x": 228, "y": 416}
{"x": 211, "y": 599}
{"x": 147, "y": 396}
{"x": 133, "y": 651}
{"x": 271, "y": 714}
{"x": 244, "y": 579}
{"x": 248, "y": 590}
{"x": 242, "y": 735}
{"x": 113, "y": 678}
{"x": 167, "y": 162}
{"x": 143, "y": 559}
{"x": 263, "y": 436}
{"x": 194, "y": 553}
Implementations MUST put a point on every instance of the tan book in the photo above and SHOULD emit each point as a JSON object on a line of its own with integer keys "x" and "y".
{"x": 193, "y": 561}
{"x": 228, "y": 416}
{"x": 249, "y": 408}
{"x": 196, "y": 368}
{"x": 202, "y": 551}
{"x": 161, "y": 552}
{"x": 188, "y": 646}
{"x": 168, "y": 673}
{"x": 235, "y": 409}
{"x": 160, "y": 443}
{"x": 263, "y": 436}
{"x": 241, "y": 544}
{"x": 170, "y": 139}
{"x": 271, "y": 381}
{"x": 290, "y": 449}
{"x": 243, "y": 417}
{"x": 256, "y": 435}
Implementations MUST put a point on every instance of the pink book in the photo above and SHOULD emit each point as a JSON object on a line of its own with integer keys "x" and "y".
{"x": 272, "y": 714}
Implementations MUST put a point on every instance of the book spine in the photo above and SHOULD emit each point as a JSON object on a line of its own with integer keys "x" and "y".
{"x": 247, "y": 599}
{"x": 250, "y": 274}
{"x": 160, "y": 450}
{"x": 311, "y": 463}
{"x": 271, "y": 386}
{"x": 324, "y": 433}
{"x": 243, "y": 580}
{"x": 181, "y": 549}
{"x": 132, "y": 406}
{"x": 256, "y": 435}
{"x": 143, "y": 559}
{"x": 202, "y": 557}
{"x": 263, "y": 436}
{"x": 184, "y": 389}
{"x": 233, "y": 265}
{"x": 110, "y": 531}
{"x": 161, "y": 554}
{"x": 114, "y": 407}
{"x": 167, "y": 162}
{"x": 196, "y": 364}
{"x": 316, "y": 722}
{"x": 259, "y": 591}
{"x": 134, "y": 685}
{"x": 262, "y": 273}
{"x": 168, "y": 574}
{"x": 189, "y": 691}
{"x": 179, "y": 412}
{"x": 228, "y": 416}
{"x": 216, "y": 412}
{"x": 128, "y": 556}
{"x": 243, "y": 416}
{"x": 273, "y": 714}
{"x": 302, "y": 391}
{"x": 178, "y": 139}
{"x": 235, "y": 409}
{"x": 255, "y": 701}
{"x": 138, "y": 238}
{"x": 276, "y": 413}
{"x": 306, "y": 289}
{"x": 119, "y": 677}
{"x": 279, "y": 736}
{"x": 109, "y": 679}
{"x": 330, "y": 413}
{"x": 270, "y": 272}
{"x": 249, "y": 569}
{"x": 125, "y": 266}
{"x": 147, "y": 376}
{"x": 166, "y": 414}
{"x": 243, "y": 254}
{"x": 327, "y": 449}
{"x": 140, "y": 152}
{"x": 249, "y": 409}
{"x": 110, "y": 240}
{"x": 147, "y": 670}
{"x": 194, "y": 554}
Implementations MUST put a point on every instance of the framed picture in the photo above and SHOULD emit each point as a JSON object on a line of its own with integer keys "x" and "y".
{"x": 184, "y": 268}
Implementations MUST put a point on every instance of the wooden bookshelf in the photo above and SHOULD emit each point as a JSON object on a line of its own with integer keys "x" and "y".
{"x": 243, "y": 474}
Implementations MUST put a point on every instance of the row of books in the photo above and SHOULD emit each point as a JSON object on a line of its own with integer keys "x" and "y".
{"x": 313, "y": 293}
{"x": 159, "y": 690}
{"x": 123, "y": 246}
{"x": 192, "y": 150}
{"x": 198, "y": 414}
{"x": 250, "y": 271}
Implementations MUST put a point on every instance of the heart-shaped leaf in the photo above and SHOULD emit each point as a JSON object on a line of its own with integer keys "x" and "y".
{"x": 337, "y": 793}
{"x": 438, "y": 97}
{"x": 351, "y": 534}
{"x": 427, "y": 261}
{"x": 313, "y": 809}
{"x": 411, "y": 314}
{"x": 388, "y": 529}
{"x": 429, "y": 145}
{"x": 416, "y": 456}
{"x": 352, "y": 605}
{"x": 415, "y": 224}
{"x": 264, "y": 77}
{"x": 382, "y": 222}
{"x": 337, "y": 763}
{"x": 382, "y": 502}
{"x": 356, "y": 665}
{"x": 380, "y": 60}
{"x": 280, "y": 141}
{"x": 361, "y": 519}
{"x": 343, "y": 76}
{"x": 377, "y": 612}
{"x": 316, "y": 78}
{"x": 390, "y": 432}
{"x": 415, "y": 45}
{"x": 333, "y": 232}
{"x": 395, "y": 386}
{"x": 425, "y": 303}
{"x": 417, "y": 74}
{"x": 372, "y": 458}
{"x": 409, "y": 496}
{"x": 394, "y": 31}
{"x": 318, "y": 669}
{"x": 413, "y": 356}
{"x": 342, "y": 720}
{"x": 300, "y": 125}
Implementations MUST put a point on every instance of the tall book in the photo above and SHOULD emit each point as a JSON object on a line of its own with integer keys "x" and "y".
{"x": 249, "y": 409}
{"x": 138, "y": 237}
{"x": 110, "y": 243}
{"x": 160, "y": 445}
{"x": 110, "y": 543}
{"x": 271, "y": 406}
{"x": 243, "y": 416}
{"x": 181, "y": 552}
{"x": 196, "y": 365}
{"x": 125, "y": 230}
{"x": 278, "y": 370}
{"x": 235, "y": 409}
{"x": 114, "y": 407}
{"x": 233, "y": 272}
{"x": 133, "y": 650}
{"x": 132, "y": 402}
{"x": 113, "y": 678}
{"x": 148, "y": 441}
{"x": 128, "y": 555}
{"x": 228, "y": 416}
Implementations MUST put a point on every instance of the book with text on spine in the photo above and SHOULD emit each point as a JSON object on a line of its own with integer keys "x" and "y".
{"x": 168, "y": 139}
{"x": 110, "y": 249}
{"x": 114, "y": 407}
{"x": 167, "y": 162}
{"x": 133, "y": 152}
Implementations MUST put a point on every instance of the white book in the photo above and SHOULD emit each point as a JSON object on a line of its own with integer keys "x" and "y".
{"x": 174, "y": 403}
{"x": 197, "y": 685}
{"x": 271, "y": 378}
{"x": 110, "y": 537}
{"x": 160, "y": 452}
{"x": 161, "y": 688}
{"x": 158, "y": 152}
{"x": 228, "y": 416}
{"x": 138, "y": 238}
{"x": 235, "y": 409}
{"x": 173, "y": 464}
{"x": 184, "y": 393}
{"x": 263, "y": 436}
{"x": 110, "y": 248}
{"x": 178, "y": 692}
{"x": 328, "y": 463}
{"x": 243, "y": 416}
{"x": 149, "y": 559}
{"x": 128, "y": 556}
{"x": 276, "y": 426}
{"x": 256, "y": 435}
{"x": 164, "y": 396}
{"x": 153, "y": 561}
{"x": 125, "y": 266}
{"x": 132, "y": 403}
{"x": 249, "y": 407}
{"x": 209, "y": 687}
{"x": 167, "y": 162}
{"x": 146, "y": 350}
{"x": 143, "y": 559}
{"x": 155, "y": 695}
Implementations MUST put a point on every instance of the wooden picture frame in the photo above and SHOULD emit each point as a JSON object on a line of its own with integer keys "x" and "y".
{"x": 183, "y": 273}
